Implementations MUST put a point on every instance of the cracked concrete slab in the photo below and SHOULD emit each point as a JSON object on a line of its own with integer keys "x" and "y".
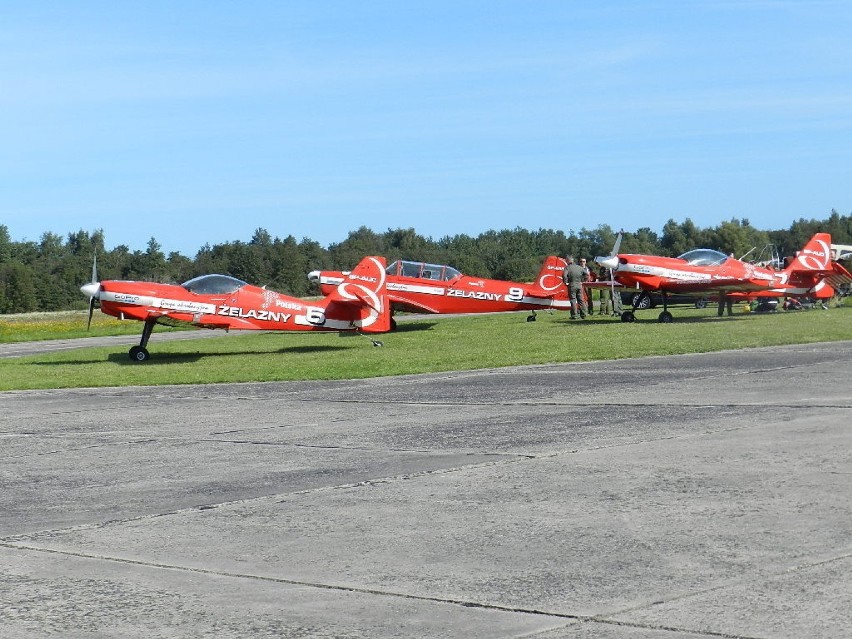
{"x": 693, "y": 496}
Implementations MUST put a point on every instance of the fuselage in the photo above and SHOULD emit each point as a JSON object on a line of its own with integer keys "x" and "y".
{"x": 702, "y": 271}
{"x": 218, "y": 301}
{"x": 434, "y": 288}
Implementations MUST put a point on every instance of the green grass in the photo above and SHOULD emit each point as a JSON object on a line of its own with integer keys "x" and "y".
{"x": 429, "y": 345}
{"x": 31, "y": 327}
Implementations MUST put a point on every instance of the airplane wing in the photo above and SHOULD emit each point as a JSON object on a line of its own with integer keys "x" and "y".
{"x": 701, "y": 288}
{"x": 402, "y": 303}
{"x": 606, "y": 284}
{"x": 173, "y": 318}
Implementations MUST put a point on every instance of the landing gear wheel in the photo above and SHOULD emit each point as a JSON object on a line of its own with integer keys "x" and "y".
{"x": 139, "y": 354}
{"x": 666, "y": 317}
{"x": 627, "y": 316}
{"x": 530, "y": 318}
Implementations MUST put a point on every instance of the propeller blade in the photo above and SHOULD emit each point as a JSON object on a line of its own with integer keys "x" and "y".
{"x": 92, "y": 289}
{"x": 617, "y": 243}
{"x": 91, "y": 312}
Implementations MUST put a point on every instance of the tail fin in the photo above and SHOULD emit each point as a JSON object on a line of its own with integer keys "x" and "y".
{"x": 548, "y": 282}
{"x": 816, "y": 256}
{"x": 811, "y": 272}
{"x": 364, "y": 288}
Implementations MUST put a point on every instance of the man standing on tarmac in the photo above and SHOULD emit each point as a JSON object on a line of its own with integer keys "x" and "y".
{"x": 574, "y": 275}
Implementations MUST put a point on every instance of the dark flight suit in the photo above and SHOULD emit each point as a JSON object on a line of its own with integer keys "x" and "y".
{"x": 574, "y": 276}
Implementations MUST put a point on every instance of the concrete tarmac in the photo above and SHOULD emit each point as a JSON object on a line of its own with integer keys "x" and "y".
{"x": 687, "y": 497}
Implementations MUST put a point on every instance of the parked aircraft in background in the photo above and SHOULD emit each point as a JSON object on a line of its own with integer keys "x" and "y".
{"x": 705, "y": 272}
{"x": 436, "y": 288}
{"x": 358, "y": 303}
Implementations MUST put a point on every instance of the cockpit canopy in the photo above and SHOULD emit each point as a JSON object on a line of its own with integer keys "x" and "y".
{"x": 422, "y": 270}
{"x": 704, "y": 257}
{"x": 213, "y": 284}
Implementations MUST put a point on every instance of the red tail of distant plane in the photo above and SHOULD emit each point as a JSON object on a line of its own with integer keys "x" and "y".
{"x": 816, "y": 256}
{"x": 364, "y": 289}
{"x": 548, "y": 282}
{"x": 811, "y": 272}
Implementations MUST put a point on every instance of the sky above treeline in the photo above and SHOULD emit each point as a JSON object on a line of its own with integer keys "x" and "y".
{"x": 198, "y": 122}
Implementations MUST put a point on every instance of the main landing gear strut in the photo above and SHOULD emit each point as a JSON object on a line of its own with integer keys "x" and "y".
{"x": 140, "y": 353}
{"x": 665, "y": 317}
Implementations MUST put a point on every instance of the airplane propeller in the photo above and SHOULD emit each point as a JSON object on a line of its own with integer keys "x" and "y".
{"x": 92, "y": 289}
{"x": 611, "y": 261}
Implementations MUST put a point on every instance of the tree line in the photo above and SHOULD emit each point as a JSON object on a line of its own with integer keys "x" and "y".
{"x": 47, "y": 275}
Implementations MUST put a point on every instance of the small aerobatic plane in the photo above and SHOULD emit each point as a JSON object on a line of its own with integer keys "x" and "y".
{"x": 358, "y": 303}
{"x": 707, "y": 272}
{"x": 435, "y": 288}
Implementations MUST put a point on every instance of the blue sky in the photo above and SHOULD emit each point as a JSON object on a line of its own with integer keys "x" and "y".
{"x": 199, "y": 122}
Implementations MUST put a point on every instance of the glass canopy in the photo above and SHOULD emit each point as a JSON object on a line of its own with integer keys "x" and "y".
{"x": 213, "y": 284}
{"x": 704, "y": 257}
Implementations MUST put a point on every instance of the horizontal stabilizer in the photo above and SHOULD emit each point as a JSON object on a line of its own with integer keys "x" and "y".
{"x": 365, "y": 289}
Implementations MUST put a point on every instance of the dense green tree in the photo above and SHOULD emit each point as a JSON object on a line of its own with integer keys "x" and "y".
{"x": 737, "y": 238}
{"x": 358, "y": 244}
{"x": 680, "y": 238}
{"x": 46, "y": 275}
{"x": 5, "y": 244}
{"x": 17, "y": 293}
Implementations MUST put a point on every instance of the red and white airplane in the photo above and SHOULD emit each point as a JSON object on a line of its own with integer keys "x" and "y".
{"x": 435, "y": 288}
{"x": 708, "y": 272}
{"x": 359, "y": 303}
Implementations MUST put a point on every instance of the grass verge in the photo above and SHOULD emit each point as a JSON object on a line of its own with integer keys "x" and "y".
{"x": 459, "y": 343}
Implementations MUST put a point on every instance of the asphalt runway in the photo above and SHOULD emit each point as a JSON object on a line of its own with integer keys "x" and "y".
{"x": 685, "y": 497}
{"x": 25, "y": 349}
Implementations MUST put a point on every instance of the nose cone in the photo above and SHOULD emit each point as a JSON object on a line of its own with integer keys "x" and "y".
{"x": 92, "y": 289}
{"x": 610, "y": 261}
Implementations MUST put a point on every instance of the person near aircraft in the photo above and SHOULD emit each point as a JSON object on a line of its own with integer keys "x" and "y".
{"x": 617, "y": 309}
{"x": 588, "y": 295}
{"x": 725, "y": 301}
{"x": 574, "y": 275}
{"x": 605, "y": 294}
